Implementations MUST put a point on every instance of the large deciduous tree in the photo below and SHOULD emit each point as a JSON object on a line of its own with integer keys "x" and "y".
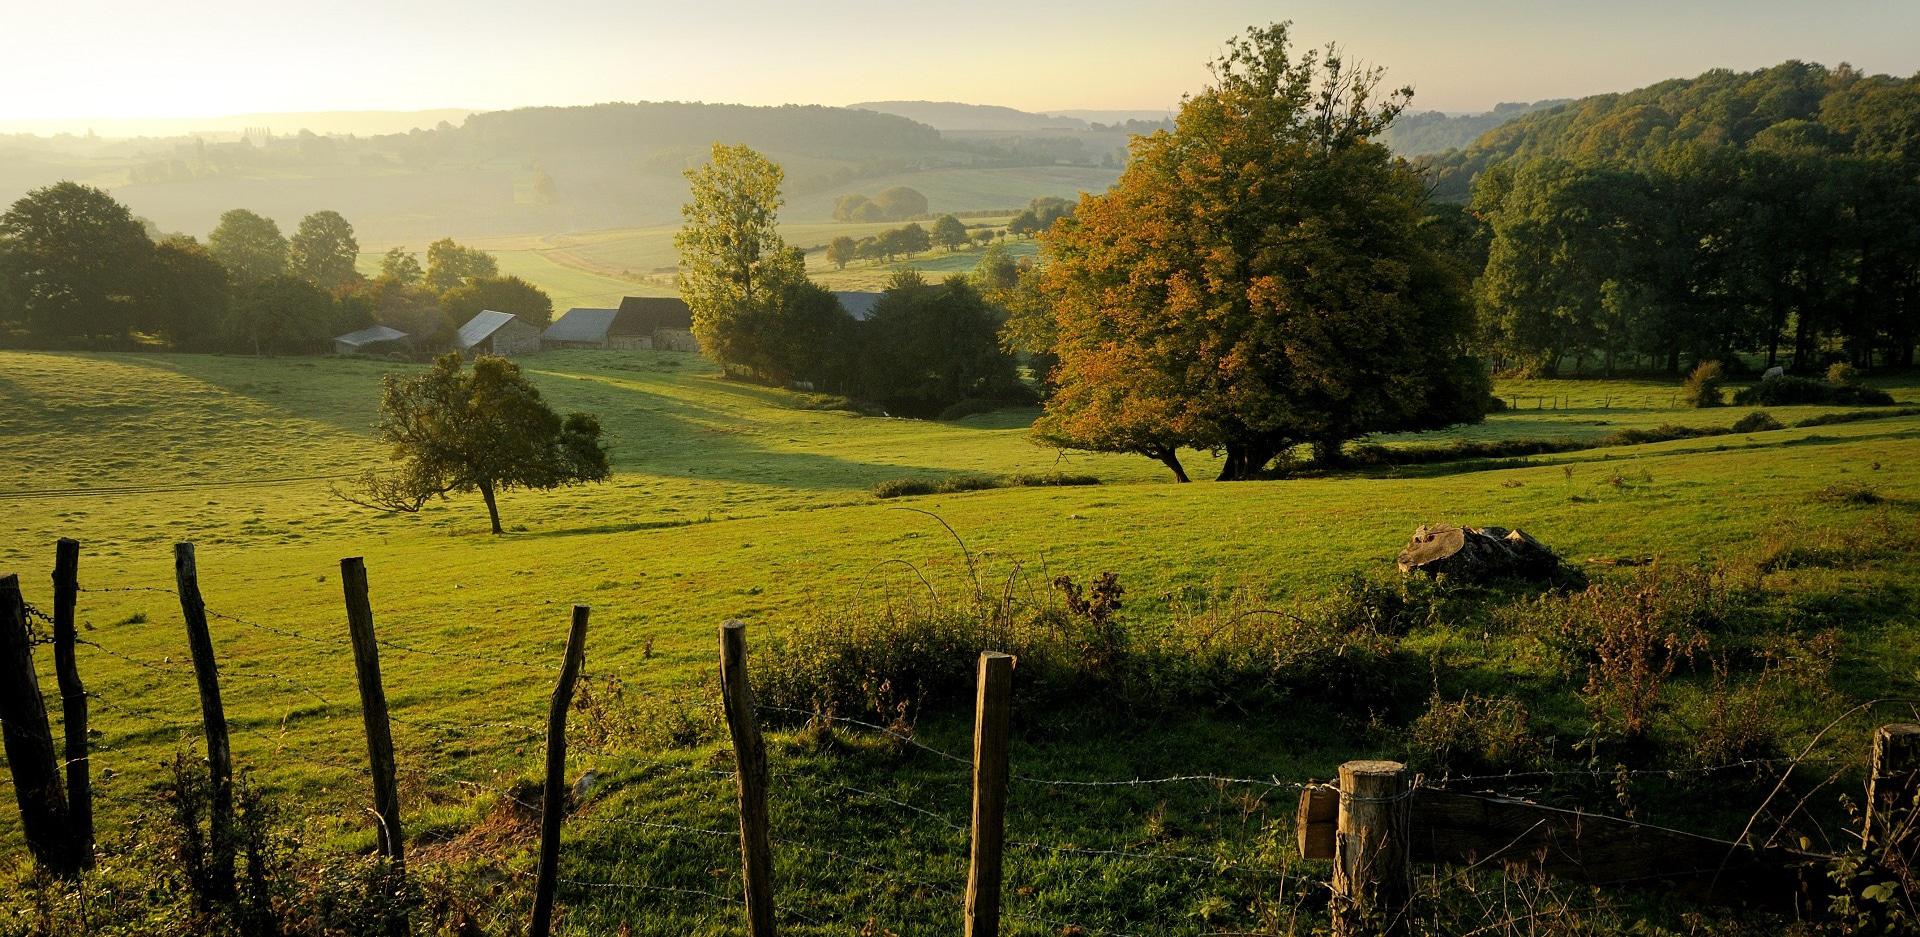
{"x": 484, "y": 429}
{"x": 323, "y": 250}
{"x": 188, "y": 295}
{"x": 734, "y": 267}
{"x": 450, "y": 264}
{"x": 73, "y": 260}
{"x": 249, "y": 245}
{"x": 1258, "y": 278}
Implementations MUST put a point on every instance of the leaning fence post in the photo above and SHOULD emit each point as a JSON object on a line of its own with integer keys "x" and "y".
{"x": 373, "y": 711}
{"x": 213, "y": 716}
{"x": 29, "y": 741}
{"x": 73, "y": 696}
{"x": 992, "y": 714}
{"x": 1372, "y": 870}
{"x": 750, "y": 771}
{"x": 553, "y": 799}
{"x": 1893, "y": 782}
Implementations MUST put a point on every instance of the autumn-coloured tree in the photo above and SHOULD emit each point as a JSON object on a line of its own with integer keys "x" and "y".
{"x": 1259, "y": 278}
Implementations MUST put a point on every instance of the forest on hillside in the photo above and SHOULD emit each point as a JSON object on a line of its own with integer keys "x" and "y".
{"x": 1758, "y": 218}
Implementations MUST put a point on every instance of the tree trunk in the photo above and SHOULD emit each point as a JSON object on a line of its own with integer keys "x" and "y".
{"x": 1330, "y": 452}
{"x": 1170, "y": 457}
{"x": 1243, "y": 461}
{"x": 493, "y": 510}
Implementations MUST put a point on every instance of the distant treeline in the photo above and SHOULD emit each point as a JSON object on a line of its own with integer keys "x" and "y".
{"x": 1773, "y": 214}
{"x": 77, "y": 269}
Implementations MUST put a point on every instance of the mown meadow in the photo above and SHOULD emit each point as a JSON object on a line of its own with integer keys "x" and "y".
{"x": 1788, "y": 553}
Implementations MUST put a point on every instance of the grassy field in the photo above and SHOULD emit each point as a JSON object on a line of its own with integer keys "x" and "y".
{"x": 597, "y": 268}
{"x": 731, "y": 501}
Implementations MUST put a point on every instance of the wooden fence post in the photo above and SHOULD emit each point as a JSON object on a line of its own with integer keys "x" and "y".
{"x": 750, "y": 770}
{"x": 1893, "y": 781}
{"x": 553, "y": 800}
{"x": 373, "y": 711}
{"x": 73, "y": 696}
{"x": 992, "y": 716}
{"x": 1372, "y": 868}
{"x": 213, "y": 715}
{"x": 29, "y": 741}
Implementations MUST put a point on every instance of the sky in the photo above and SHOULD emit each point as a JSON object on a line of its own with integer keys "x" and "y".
{"x": 69, "y": 60}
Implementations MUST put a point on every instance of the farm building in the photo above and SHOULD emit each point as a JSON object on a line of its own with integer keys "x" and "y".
{"x": 664, "y": 320}
{"x": 373, "y": 340}
{"x": 858, "y": 303}
{"x": 581, "y": 327}
{"x": 497, "y": 333}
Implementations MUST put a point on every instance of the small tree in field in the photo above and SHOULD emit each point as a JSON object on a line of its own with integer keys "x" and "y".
{"x": 486, "y": 429}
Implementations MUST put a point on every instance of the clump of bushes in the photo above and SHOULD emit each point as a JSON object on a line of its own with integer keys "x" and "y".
{"x": 1705, "y": 386}
{"x": 1665, "y": 432}
{"x": 1074, "y": 638}
{"x": 1828, "y": 419}
{"x": 1473, "y": 735}
{"x": 1759, "y": 421}
{"x": 954, "y": 484}
{"x": 1374, "y": 454}
{"x": 1787, "y": 390}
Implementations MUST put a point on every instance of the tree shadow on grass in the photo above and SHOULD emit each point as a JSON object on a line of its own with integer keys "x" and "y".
{"x": 650, "y": 432}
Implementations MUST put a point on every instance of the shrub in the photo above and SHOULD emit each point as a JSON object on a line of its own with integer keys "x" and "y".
{"x": 1828, "y": 419}
{"x": 1473, "y": 735}
{"x": 954, "y": 484}
{"x": 1787, "y": 390}
{"x": 1759, "y": 421}
{"x": 1843, "y": 374}
{"x": 1704, "y": 386}
{"x": 1665, "y": 432}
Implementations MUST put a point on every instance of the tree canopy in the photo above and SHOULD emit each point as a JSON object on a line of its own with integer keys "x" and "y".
{"x": 485, "y": 429}
{"x": 74, "y": 260}
{"x": 249, "y": 245}
{"x": 1259, "y": 278}
{"x": 735, "y": 269}
{"x": 450, "y": 264}
{"x": 323, "y": 250}
{"x": 502, "y": 294}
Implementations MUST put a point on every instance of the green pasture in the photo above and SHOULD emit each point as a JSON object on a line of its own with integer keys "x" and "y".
{"x": 732, "y": 501}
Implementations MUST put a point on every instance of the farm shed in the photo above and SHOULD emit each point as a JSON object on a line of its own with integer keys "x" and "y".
{"x": 581, "y": 327}
{"x": 377, "y": 339}
{"x": 858, "y": 303}
{"x": 497, "y": 333}
{"x": 664, "y": 321}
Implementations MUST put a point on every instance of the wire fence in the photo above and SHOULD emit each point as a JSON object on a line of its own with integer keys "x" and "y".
{"x": 921, "y": 803}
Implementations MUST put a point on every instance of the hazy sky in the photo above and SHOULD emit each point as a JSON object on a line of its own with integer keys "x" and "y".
{"x": 139, "y": 58}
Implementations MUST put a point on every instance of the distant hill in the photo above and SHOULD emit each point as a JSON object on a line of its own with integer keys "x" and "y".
{"x": 359, "y": 123}
{"x": 1790, "y": 104}
{"x": 1415, "y": 134}
{"x": 549, "y": 170}
{"x": 953, "y": 115}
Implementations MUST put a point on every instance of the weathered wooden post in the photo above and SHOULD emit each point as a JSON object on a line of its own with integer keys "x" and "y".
{"x": 750, "y": 771}
{"x": 1893, "y": 782}
{"x": 1372, "y": 868}
{"x": 73, "y": 696}
{"x": 992, "y": 718}
{"x": 28, "y": 739}
{"x": 553, "y": 800}
{"x": 373, "y": 711}
{"x": 213, "y": 716}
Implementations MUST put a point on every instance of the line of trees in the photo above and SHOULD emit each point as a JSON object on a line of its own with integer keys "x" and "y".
{"x": 896, "y": 204}
{"x": 925, "y": 348}
{"x": 77, "y": 268}
{"x": 1771, "y": 215}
